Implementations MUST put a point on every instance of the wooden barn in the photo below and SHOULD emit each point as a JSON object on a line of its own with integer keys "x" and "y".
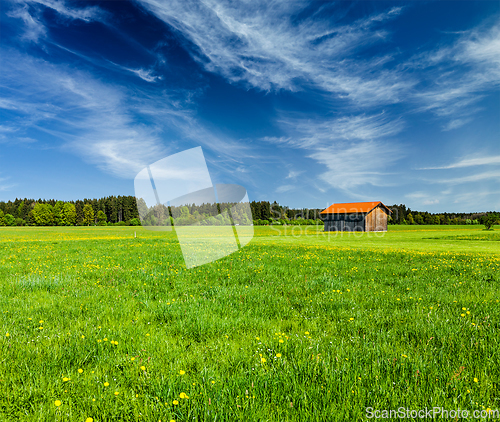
{"x": 356, "y": 216}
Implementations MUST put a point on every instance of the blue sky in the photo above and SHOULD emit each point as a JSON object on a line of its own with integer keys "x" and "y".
{"x": 306, "y": 103}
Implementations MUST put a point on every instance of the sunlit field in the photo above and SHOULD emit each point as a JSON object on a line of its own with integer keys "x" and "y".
{"x": 108, "y": 324}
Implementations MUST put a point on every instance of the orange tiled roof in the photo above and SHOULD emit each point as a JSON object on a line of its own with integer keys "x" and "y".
{"x": 352, "y": 207}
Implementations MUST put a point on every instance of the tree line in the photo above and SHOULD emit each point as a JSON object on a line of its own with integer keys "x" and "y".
{"x": 126, "y": 210}
{"x": 207, "y": 214}
{"x": 112, "y": 210}
{"x": 403, "y": 215}
{"x": 265, "y": 213}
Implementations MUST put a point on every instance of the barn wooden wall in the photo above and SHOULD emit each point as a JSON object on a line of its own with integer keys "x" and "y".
{"x": 347, "y": 226}
{"x": 376, "y": 221}
{"x": 345, "y": 222}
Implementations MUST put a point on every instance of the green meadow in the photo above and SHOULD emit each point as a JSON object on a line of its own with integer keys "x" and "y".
{"x": 107, "y": 324}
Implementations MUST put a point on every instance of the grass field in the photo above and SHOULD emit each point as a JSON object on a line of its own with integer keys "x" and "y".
{"x": 297, "y": 326}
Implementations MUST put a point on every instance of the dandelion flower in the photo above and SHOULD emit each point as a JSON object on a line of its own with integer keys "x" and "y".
{"x": 65, "y": 379}
{"x": 263, "y": 360}
{"x": 105, "y": 339}
{"x": 280, "y": 340}
{"x": 89, "y": 420}
{"x": 80, "y": 370}
{"x": 182, "y": 372}
{"x": 57, "y": 403}
{"x": 143, "y": 368}
{"x": 175, "y": 402}
{"x": 106, "y": 384}
{"x": 351, "y": 319}
{"x": 306, "y": 333}
{"x": 116, "y": 393}
{"x": 476, "y": 380}
{"x": 278, "y": 355}
{"x": 183, "y": 396}
{"x": 7, "y": 334}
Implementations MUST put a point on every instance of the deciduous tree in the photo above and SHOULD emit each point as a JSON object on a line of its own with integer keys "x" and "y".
{"x": 88, "y": 215}
{"x": 69, "y": 213}
{"x": 101, "y": 218}
{"x": 43, "y": 214}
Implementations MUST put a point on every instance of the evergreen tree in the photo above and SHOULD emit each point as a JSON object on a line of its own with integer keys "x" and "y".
{"x": 79, "y": 212}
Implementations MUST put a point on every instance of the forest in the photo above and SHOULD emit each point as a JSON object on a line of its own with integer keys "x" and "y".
{"x": 126, "y": 210}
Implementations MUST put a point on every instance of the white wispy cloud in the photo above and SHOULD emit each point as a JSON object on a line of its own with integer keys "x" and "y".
{"x": 423, "y": 198}
{"x": 30, "y": 12}
{"x": 285, "y": 188}
{"x": 483, "y": 198}
{"x": 359, "y": 164}
{"x": 479, "y": 200}
{"x": 262, "y": 45}
{"x": 476, "y": 173}
{"x": 354, "y": 150}
{"x": 34, "y": 29}
{"x": 86, "y": 116}
{"x": 145, "y": 74}
{"x": 64, "y": 9}
{"x": 259, "y": 43}
{"x": 486, "y": 175}
{"x": 119, "y": 129}
{"x": 5, "y": 186}
{"x": 469, "y": 162}
{"x": 320, "y": 132}
{"x": 292, "y": 174}
{"x": 459, "y": 75}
